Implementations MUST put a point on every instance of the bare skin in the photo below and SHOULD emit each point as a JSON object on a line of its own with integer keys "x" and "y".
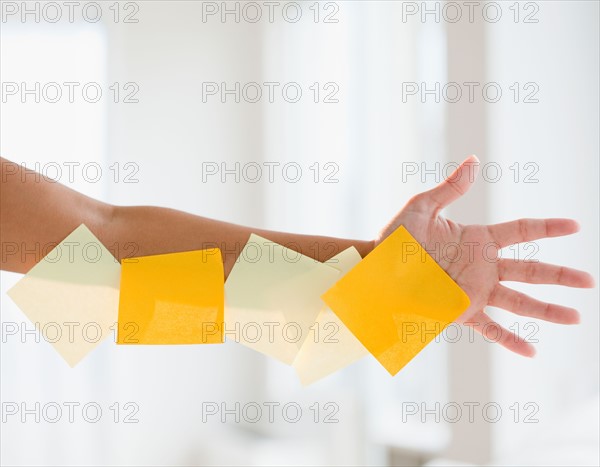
{"x": 35, "y": 212}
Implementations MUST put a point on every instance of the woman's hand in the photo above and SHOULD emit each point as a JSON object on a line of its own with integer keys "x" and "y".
{"x": 477, "y": 269}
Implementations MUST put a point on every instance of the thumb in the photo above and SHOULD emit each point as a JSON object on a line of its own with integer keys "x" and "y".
{"x": 456, "y": 185}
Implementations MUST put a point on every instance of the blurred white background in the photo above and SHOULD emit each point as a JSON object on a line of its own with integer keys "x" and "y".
{"x": 540, "y": 156}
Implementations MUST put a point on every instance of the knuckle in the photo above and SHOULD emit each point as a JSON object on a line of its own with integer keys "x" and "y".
{"x": 523, "y": 229}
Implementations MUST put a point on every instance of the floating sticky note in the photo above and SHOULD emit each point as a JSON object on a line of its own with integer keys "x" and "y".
{"x": 331, "y": 346}
{"x": 272, "y": 298}
{"x": 174, "y": 298}
{"x": 396, "y": 300}
{"x": 72, "y": 295}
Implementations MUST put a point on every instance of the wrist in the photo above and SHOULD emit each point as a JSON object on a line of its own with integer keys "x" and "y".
{"x": 366, "y": 247}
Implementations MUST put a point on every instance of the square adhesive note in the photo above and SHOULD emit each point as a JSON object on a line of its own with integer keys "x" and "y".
{"x": 396, "y": 300}
{"x": 330, "y": 346}
{"x": 72, "y": 294}
{"x": 272, "y": 298}
{"x": 174, "y": 298}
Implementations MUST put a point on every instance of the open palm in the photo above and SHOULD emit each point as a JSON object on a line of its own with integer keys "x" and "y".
{"x": 469, "y": 254}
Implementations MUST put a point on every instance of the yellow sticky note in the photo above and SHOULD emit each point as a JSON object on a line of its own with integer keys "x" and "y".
{"x": 272, "y": 298}
{"x": 72, "y": 295}
{"x": 397, "y": 300}
{"x": 174, "y": 298}
{"x": 331, "y": 346}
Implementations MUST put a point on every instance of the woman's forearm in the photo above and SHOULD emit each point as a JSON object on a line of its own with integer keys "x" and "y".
{"x": 36, "y": 212}
{"x": 141, "y": 230}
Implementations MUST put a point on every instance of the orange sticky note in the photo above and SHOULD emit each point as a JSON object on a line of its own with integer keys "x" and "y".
{"x": 174, "y": 298}
{"x": 396, "y": 300}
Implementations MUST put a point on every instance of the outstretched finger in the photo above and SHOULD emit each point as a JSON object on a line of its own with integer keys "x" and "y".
{"x": 527, "y": 230}
{"x": 524, "y": 305}
{"x": 543, "y": 273}
{"x": 493, "y": 332}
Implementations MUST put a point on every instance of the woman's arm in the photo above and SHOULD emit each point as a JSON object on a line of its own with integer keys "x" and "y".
{"x": 35, "y": 212}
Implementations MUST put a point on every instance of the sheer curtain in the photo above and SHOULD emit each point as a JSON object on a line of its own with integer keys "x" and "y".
{"x": 65, "y": 141}
{"x": 372, "y": 135}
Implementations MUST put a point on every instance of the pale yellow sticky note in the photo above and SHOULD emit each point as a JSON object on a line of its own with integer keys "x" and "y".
{"x": 331, "y": 346}
{"x": 272, "y": 298}
{"x": 72, "y": 294}
{"x": 174, "y": 298}
{"x": 396, "y": 300}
